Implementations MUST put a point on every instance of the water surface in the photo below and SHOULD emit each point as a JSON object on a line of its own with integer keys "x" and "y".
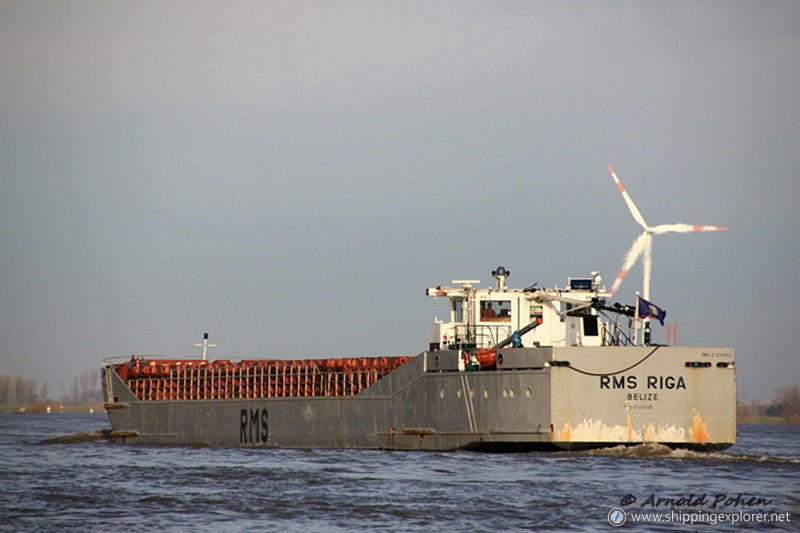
{"x": 101, "y": 486}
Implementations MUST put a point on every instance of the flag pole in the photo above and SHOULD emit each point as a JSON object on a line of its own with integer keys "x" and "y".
{"x": 636, "y": 322}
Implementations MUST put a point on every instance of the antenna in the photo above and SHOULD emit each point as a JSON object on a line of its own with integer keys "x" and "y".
{"x": 205, "y": 345}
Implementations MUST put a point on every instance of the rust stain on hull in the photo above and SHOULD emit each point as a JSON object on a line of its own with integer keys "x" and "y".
{"x": 564, "y": 434}
{"x": 700, "y": 433}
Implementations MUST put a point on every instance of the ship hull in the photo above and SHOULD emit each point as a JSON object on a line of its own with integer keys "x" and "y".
{"x": 535, "y": 399}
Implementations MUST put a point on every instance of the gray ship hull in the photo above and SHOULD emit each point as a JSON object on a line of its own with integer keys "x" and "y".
{"x": 536, "y": 398}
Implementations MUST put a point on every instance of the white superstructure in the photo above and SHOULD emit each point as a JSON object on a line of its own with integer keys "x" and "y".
{"x": 485, "y": 317}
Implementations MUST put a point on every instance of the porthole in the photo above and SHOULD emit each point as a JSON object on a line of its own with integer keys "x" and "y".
{"x": 511, "y": 393}
{"x": 528, "y": 392}
{"x": 485, "y": 393}
{"x": 505, "y": 393}
{"x": 472, "y": 393}
{"x": 441, "y": 394}
{"x": 458, "y": 394}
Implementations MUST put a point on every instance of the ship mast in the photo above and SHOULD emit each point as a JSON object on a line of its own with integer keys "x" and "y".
{"x": 205, "y": 345}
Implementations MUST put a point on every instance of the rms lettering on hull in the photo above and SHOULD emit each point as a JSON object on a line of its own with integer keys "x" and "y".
{"x": 652, "y": 382}
{"x": 253, "y": 426}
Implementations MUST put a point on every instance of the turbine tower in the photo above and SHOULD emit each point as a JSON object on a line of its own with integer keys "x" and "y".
{"x": 643, "y": 245}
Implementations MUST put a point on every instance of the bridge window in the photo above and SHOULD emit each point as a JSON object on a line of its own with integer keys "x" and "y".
{"x": 458, "y": 311}
{"x": 496, "y": 311}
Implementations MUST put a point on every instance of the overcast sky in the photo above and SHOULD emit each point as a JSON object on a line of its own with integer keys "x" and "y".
{"x": 291, "y": 176}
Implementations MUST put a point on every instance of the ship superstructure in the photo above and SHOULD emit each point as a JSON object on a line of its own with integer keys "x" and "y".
{"x": 493, "y": 317}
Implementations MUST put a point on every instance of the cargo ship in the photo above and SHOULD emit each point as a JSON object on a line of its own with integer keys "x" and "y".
{"x": 508, "y": 370}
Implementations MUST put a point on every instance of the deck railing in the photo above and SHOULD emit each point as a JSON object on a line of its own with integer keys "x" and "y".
{"x": 160, "y": 380}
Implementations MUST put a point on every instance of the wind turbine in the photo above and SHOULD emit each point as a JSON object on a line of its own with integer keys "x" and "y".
{"x": 643, "y": 245}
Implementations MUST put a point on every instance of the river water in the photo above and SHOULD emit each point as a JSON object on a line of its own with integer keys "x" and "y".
{"x": 96, "y": 485}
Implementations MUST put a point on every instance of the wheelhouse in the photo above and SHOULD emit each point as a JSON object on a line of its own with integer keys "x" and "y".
{"x": 490, "y": 317}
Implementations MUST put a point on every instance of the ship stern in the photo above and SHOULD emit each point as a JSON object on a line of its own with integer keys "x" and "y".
{"x": 682, "y": 397}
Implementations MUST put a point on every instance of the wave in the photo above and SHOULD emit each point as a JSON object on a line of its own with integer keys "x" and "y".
{"x": 653, "y": 449}
{"x": 96, "y": 435}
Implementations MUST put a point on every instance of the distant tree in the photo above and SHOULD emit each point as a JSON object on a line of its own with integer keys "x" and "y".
{"x": 788, "y": 395}
{"x": 16, "y": 390}
{"x": 787, "y": 403}
{"x": 748, "y": 412}
{"x": 43, "y": 391}
{"x": 774, "y": 409}
{"x": 85, "y": 388}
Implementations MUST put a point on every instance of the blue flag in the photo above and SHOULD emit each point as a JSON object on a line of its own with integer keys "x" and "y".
{"x": 649, "y": 309}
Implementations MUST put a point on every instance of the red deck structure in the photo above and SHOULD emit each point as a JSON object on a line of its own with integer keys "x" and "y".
{"x": 191, "y": 379}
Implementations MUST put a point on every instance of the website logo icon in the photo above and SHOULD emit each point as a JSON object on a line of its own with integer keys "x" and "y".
{"x": 616, "y": 517}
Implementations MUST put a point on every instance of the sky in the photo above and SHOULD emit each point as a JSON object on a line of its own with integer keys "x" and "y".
{"x": 291, "y": 176}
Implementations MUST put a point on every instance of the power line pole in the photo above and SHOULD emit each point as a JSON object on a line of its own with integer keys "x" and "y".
{"x": 12, "y": 357}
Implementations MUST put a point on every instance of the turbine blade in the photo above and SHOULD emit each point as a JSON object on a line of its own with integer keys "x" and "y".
{"x": 633, "y": 254}
{"x": 631, "y": 206}
{"x": 647, "y": 267}
{"x": 683, "y": 228}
